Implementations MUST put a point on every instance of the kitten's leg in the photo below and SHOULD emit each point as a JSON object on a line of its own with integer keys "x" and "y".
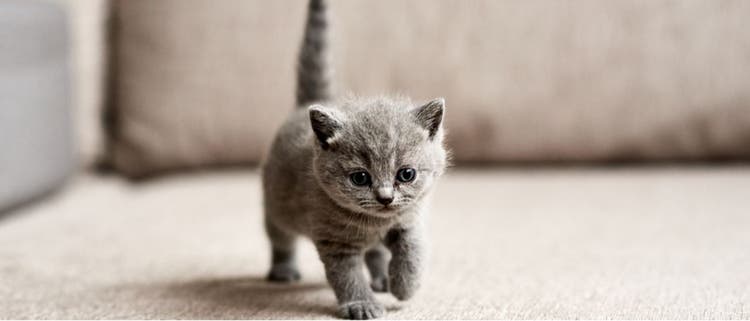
{"x": 344, "y": 272}
{"x": 376, "y": 259}
{"x": 405, "y": 268}
{"x": 283, "y": 250}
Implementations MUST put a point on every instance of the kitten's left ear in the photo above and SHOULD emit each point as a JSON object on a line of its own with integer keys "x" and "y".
{"x": 430, "y": 116}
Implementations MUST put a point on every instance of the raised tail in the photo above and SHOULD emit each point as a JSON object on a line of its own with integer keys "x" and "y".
{"x": 313, "y": 70}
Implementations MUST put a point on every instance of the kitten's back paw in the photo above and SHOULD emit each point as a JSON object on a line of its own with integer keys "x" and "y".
{"x": 361, "y": 310}
{"x": 283, "y": 273}
{"x": 379, "y": 284}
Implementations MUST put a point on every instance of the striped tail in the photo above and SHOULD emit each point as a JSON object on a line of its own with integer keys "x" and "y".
{"x": 313, "y": 70}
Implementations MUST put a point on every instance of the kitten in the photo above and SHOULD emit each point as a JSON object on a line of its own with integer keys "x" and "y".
{"x": 353, "y": 175}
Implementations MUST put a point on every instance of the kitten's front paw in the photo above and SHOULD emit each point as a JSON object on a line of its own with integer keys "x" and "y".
{"x": 361, "y": 310}
{"x": 403, "y": 289}
{"x": 283, "y": 273}
{"x": 379, "y": 284}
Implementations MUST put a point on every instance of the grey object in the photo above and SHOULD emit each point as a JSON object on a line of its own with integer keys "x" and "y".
{"x": 36, "y": 152}
{"x": 354, "y": 175}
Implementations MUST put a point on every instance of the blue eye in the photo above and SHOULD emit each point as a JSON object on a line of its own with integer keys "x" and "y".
{"x": 360, "y": 178}
{"x": 406, "y": 175}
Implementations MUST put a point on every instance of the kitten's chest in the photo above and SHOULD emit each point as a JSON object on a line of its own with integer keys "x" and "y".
{"x": 356, "y": 233}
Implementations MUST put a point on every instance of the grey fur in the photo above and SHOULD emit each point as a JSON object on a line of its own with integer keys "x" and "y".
{"x": 376, "y": 259}
{"x": 313, "y": 68}
{"x": 308, "y": 192}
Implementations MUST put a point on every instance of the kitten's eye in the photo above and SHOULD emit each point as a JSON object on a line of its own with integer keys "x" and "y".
{"x": 360, "y": 178}
{"x": 406, "y": 175}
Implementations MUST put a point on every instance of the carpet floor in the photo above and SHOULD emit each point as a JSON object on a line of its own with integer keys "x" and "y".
{"x": 623, "y": 243}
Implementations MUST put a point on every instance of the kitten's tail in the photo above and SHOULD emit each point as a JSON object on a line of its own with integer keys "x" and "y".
{"x": 313, "y": 70}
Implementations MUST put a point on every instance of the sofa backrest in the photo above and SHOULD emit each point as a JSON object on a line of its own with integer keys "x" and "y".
{"x": 202, "y": 82}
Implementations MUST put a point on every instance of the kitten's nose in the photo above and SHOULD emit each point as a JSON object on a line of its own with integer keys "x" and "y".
{"x": 384, "y": 200}
{"x": 384, "y": 195}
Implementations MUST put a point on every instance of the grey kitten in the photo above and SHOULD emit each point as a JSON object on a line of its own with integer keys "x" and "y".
{"x": 353, "y": 175}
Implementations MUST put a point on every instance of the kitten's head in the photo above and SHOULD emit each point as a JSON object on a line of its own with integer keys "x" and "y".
{"x": 378, "y": 156}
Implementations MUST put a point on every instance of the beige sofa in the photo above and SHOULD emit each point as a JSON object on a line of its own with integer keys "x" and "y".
{"x": 588, "y": 239}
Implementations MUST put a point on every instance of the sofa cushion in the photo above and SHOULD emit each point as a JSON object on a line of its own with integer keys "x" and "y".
{"x": 204, "y": 83}
{"x": 35, "y": 122}
{"x": 87, "y": 19}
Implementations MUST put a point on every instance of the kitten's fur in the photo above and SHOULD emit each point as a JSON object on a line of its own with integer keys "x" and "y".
{"x": 308, "y": 191}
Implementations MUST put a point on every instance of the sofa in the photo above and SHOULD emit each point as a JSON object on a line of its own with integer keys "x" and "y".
{"x": 600, "y": 158}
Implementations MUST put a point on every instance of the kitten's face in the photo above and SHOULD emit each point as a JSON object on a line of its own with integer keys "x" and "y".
{"x": 378, "y": 157}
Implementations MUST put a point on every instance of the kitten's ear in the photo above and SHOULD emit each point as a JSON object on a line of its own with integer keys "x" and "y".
{"x": 430, "y": 116}
{"x": 324, "y": 123}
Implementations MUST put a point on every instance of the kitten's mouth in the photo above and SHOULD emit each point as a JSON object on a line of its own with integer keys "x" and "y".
{"x": 383, "y": 211}
{"x": 386, "y": 209}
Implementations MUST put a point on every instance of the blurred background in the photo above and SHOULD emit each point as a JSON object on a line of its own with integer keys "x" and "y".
{"x": 601, "y": 148}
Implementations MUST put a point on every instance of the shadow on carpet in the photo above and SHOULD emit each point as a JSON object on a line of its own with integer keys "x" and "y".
{"x": 230, "y": 298}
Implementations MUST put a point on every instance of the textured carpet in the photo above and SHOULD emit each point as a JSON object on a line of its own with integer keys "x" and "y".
{"x": 659, "y": 243}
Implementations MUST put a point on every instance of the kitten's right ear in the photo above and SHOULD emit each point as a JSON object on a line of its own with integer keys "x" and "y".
{"x": 324, "y": 123}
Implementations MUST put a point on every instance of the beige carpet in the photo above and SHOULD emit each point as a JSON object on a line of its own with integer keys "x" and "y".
{"x": 658, "y": 243}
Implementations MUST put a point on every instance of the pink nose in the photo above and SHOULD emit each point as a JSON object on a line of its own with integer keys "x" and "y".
{"x": 384, "y": 200}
